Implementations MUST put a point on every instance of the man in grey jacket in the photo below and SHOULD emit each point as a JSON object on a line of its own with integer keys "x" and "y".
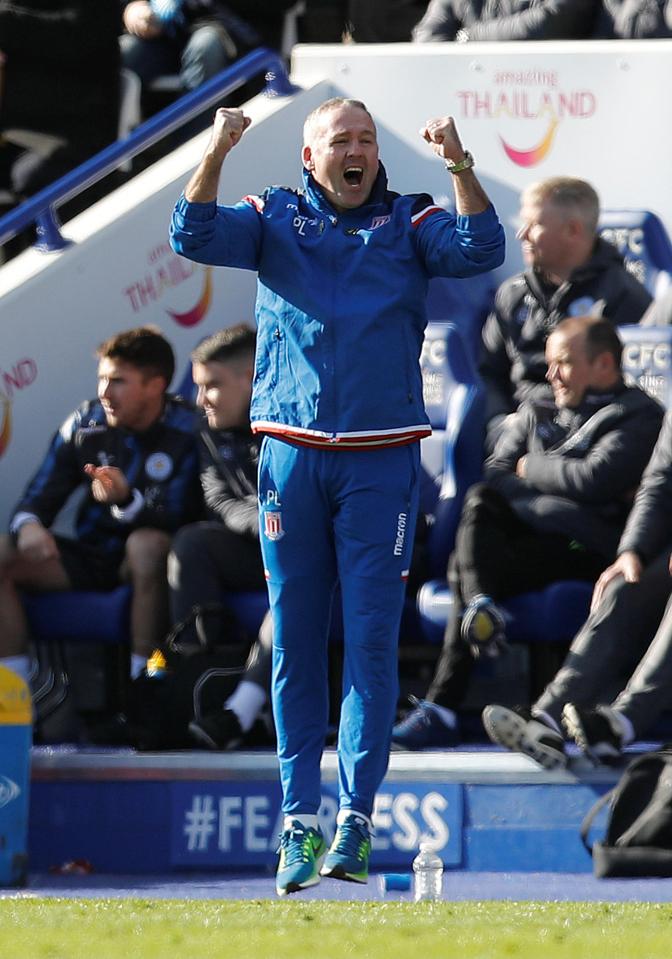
{"x": 556, "y": 495}
{"x": 464, "y": 20}
{"x": 631, "y": 603}
{"x": 634, "y": 20}
{"x": 570, "y": 271}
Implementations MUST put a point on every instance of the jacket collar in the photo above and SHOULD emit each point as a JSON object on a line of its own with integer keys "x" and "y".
{"x": 317, "y": 198}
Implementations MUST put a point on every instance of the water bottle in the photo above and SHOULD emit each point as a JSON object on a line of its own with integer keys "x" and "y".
{"x": 428, "y": 872}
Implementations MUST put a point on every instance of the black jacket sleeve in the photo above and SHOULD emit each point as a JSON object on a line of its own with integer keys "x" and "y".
{"x": 57, "y": 477}
{"x": 541, "y": 20}
{"x": 648, "y": 530}
{"x": 229, "y": 495}
{"x": 610, "y": 469}
{"x": 438, "y": 23}
{"x": 494, "y": 365}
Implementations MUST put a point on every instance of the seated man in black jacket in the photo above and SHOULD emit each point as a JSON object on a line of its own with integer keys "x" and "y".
{"x": 570, "y": 271}
{"x": 556, "y": 495}
{"x": 223, "y": 553}
{"x": 631, "y": 604}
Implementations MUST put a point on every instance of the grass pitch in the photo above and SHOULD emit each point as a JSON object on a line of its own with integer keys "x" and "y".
{"x": 197, "y": 929}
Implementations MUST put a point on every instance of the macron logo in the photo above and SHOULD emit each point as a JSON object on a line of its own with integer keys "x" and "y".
{"x": 401, "y": 534}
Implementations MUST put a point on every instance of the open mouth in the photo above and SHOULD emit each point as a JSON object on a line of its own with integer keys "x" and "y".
{"x": 353, "y": 175}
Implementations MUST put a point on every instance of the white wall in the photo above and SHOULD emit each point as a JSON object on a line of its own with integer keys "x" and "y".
{"x": 608, "y": 105}
{"x": 56, "y": 308}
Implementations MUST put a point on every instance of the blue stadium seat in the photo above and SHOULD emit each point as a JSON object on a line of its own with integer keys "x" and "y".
{"x": 452, "y": 457}
{"x": 78, "y": 616}
{"x": 464, "y": 302}
{"x": 550, "y": 615}
{"x": 642, "y": 240}
{"x": 249, "y": 608}
{"x": 75, "y": 616}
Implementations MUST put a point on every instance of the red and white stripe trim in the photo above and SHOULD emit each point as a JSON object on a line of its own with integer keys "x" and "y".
{"x": 256, "y": 201}
{"x": 306, "y": 437}
{"x": 422, "y": 215}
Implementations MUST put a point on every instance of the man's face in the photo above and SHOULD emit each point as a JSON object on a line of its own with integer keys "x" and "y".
{"x": 342, "y": 155}
{"x": 570, "y": 372}
{"x": 131, "y": 398}
{"x": 224, "y": 391}
{"x": 546, "y": 235}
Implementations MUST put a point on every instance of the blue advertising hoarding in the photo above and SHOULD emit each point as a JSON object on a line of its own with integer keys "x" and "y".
{"x": 220, "y": 823}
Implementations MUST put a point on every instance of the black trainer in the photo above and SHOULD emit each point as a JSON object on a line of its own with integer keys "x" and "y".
{"x": 517, "y": 729}
{"x": 218, "y": 730}
{"x": 595, "y": 731}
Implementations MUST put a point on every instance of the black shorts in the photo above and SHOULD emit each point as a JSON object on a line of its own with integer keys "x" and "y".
{"x": 87, "y": 567}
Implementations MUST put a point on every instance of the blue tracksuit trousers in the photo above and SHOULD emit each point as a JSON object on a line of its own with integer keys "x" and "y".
{"x": 329, "y": 515}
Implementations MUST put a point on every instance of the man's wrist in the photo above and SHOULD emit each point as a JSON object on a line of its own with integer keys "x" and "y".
{"x": 127, "y": 513}
{"x": 459, "y": 166}
{"x": 20, "y": 520}
{"x": 126, "y": 501}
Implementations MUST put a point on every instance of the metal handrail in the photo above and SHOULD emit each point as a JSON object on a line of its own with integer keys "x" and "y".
{"x": 41, "y": 208}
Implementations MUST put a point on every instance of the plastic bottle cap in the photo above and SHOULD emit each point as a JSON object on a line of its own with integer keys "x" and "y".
{"x": 394, "y": 880}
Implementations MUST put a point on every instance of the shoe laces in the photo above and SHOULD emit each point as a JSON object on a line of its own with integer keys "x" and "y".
{"x": 296, "y": 844}
{"x": 351, "y": 836}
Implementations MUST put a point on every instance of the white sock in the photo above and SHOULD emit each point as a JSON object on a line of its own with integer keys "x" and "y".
{"x": 138, "y": 663}
{"x": 545, "y": 718}
{"x": 310, "y": 822}
{"x": 627, "y": 730}
{"x": 246, "y": 702}
{"x": 344, "y": 814}
{"x": 447, "y": 716}
{"x": 18, "y": 664}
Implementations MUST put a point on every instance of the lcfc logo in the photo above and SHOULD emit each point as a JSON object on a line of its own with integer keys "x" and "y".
{"x": 9, "y": 791}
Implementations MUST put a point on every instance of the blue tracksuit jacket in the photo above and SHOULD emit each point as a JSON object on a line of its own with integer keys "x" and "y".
{"x": 340, "y": 302}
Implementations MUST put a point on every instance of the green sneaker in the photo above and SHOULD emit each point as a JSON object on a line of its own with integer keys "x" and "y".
{"x": 348, "y": 857}
{"x": 302, "y": 851}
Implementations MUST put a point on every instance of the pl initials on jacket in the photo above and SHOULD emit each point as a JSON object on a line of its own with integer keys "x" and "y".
{"x": 340, "y": 302}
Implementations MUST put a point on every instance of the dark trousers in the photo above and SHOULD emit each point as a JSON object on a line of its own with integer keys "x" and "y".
{"x": 498, "y": 555}
{"x": 631, "y": 627}
{"x": 206, "y": 560}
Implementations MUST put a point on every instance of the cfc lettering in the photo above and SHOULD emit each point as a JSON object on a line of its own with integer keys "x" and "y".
{"x": 643, "y": 355}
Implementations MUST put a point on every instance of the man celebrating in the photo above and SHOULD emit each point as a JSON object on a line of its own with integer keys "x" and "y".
{"x": 570, "y": 271}
{"x": 136, "y": 446}
{"x": 556, "y": 495}
{"x": 343, "y": 269}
